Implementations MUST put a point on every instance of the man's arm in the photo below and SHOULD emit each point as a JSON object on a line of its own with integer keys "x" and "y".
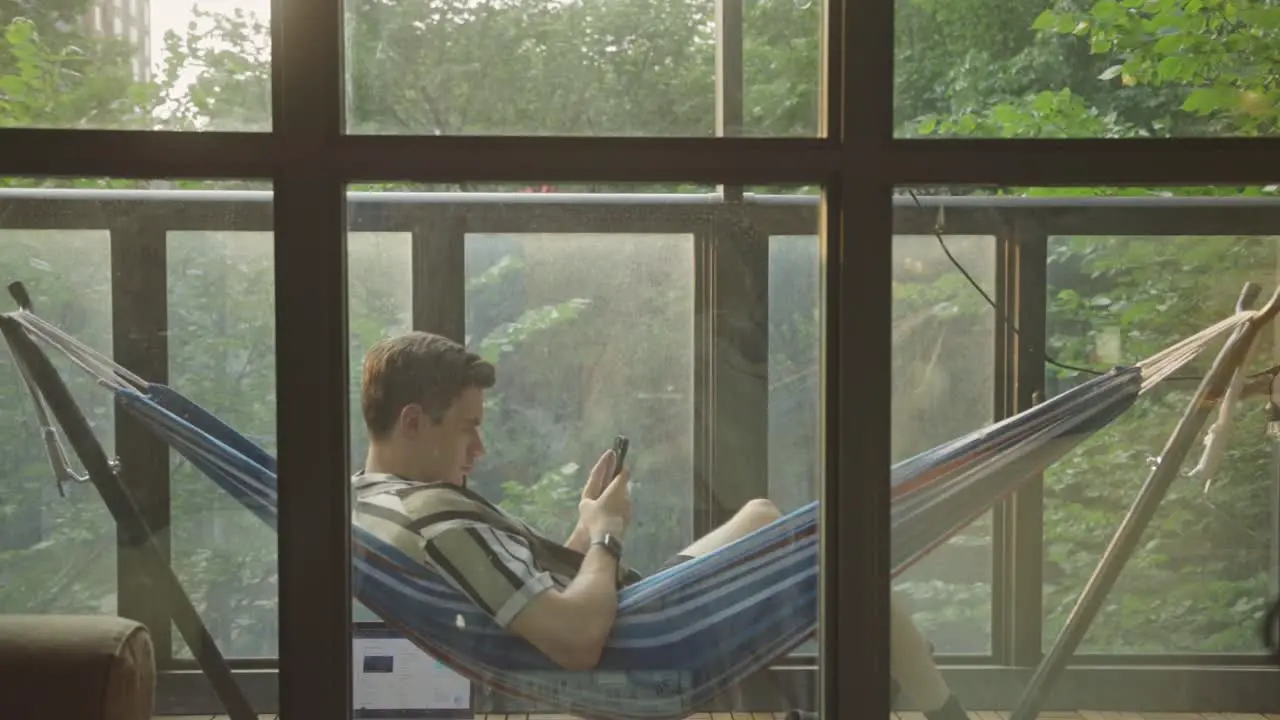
{"x": 571, "y": 626}
{"x": 497, "y": 570}
{"x": 579, "y": 540}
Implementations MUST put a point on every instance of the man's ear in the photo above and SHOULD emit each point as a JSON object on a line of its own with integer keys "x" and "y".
{"x": 412, "y": 417}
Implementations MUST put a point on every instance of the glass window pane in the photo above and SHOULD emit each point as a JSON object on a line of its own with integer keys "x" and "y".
{"x": 151, "y": 307}
{"x": 222, "y": 334}
{"x": 630, "y": 67}
{"x": 57, "y": 540}
{"x": 1203, "y": 572}
{"x": 180, "y": 67}
{"x": 943, "y": 347}
{"x": 943, "y": 387}
{"x": 599, "y": 319}
{"x": 1131, "y": 273}
{"x": 558, "y": 312}
{"x": 379, "y": 304}
{"x": 1107, "y": 69}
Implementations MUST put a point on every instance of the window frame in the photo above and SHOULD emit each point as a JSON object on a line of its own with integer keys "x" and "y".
{"x": 310, "y": 160}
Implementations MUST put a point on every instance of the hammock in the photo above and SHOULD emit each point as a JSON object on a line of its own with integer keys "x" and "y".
{"x": 683, "y": 635}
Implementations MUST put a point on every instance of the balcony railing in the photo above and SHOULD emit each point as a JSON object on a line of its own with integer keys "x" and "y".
{"x": 734, "y": 293}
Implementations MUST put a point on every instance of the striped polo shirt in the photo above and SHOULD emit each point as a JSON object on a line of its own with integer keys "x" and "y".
{"x": 498, "y": 561}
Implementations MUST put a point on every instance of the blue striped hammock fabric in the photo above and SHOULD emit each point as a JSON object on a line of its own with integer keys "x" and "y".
{"x": 683, "y": 635}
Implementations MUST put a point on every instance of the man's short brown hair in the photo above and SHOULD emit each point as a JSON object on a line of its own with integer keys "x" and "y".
{"x": 417, "y": 367}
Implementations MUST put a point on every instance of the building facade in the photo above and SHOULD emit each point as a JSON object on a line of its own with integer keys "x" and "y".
{"x": 128, "y": 20}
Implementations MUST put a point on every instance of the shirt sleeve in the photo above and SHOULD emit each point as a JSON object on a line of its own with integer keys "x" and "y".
{"x": 494, "y": 568}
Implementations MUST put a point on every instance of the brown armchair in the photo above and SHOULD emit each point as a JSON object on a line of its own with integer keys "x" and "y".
{"x": 75, "y": 668}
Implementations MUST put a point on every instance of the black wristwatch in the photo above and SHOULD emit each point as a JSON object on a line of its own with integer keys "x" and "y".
{"x": 611, "y": 545}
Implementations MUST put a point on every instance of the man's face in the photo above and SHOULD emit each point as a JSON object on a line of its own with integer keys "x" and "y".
{"x": 446, "y": 451}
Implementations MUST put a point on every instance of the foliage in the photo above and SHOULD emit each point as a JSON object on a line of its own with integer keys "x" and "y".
{"x": 584, "y": 354}
{"x": 50, "y": 80}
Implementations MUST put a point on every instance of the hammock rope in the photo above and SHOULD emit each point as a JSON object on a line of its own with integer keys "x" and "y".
{"x": 1155, "y": 368}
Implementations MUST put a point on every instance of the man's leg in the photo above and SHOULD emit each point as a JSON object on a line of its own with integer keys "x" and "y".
{"x": 911, "y": 662}
{"x": 751, "y": 517}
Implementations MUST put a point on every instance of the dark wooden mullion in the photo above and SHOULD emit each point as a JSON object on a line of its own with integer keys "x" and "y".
{"x": 312, "y": 340}
{"x": 855, "y": 510}
{"x": 857, "y": 233}
{"x": 729, "y": 80}
{"x": 957, "y": 161}
{"x": 139, "y": 339}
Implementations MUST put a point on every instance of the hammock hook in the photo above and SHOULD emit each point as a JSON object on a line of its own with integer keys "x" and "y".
{"x": 63, "y": 473}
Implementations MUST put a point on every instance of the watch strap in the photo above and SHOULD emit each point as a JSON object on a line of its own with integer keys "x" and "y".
{"x": 611, "y": 545}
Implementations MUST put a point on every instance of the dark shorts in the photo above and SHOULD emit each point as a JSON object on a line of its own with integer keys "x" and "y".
{"x": 633, "y": 576}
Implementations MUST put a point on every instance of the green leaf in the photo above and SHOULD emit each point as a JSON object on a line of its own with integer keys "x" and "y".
{"x": 1169, "y": 44}
{"x": 1211, "y": 99}
{"x": 12, "y": 86}
{"x": 20, "y": 32}
{"x": 1171, "y": 68}
{"x": 1047, "y": 20}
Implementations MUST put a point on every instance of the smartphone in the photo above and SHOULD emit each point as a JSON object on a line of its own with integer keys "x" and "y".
{"x": 620, "y": 446}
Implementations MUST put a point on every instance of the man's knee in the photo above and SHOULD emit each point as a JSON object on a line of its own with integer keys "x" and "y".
{"x": 759, "y": 512}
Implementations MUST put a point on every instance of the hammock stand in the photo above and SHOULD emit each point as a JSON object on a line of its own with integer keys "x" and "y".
{"x": 1213, "y": 388}
{"x": 136, "y": 536}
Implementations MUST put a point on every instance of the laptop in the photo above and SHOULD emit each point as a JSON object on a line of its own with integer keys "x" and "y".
{"x": 394, "y": 679}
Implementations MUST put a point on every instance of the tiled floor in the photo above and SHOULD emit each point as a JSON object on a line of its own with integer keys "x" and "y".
{"x": 973, "y": 715}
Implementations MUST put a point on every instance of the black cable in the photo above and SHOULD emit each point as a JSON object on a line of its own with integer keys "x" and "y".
{"x": 1017, "y": 333}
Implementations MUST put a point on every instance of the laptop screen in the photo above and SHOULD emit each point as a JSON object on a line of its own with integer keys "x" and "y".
{"x": 393, "y": 678}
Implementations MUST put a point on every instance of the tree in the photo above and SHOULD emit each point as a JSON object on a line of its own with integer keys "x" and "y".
{"x": 60, "y": 79}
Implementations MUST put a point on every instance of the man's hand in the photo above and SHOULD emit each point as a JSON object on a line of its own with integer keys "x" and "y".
{"x": 571, "y": 626}
{"x": 600, "y": 473}
{"x": 580, "y": 538}
{"x": 605, "y": 509}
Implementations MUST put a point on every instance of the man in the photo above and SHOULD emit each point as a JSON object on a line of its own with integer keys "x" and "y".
{"x": 423, "y": 404}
